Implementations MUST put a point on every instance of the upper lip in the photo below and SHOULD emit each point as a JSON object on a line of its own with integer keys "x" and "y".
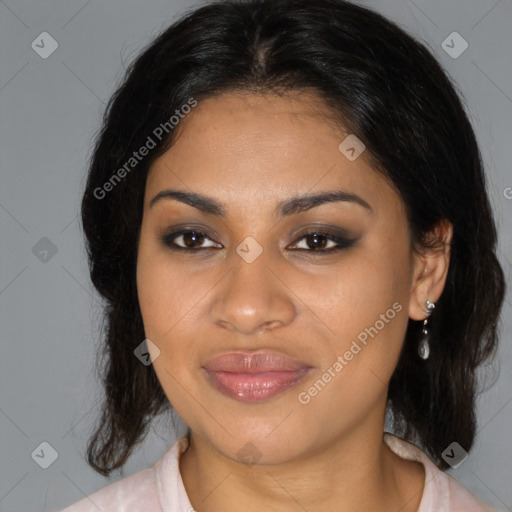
{"x": 255, "y": 362}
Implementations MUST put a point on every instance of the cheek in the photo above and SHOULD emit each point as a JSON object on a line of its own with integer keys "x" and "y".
{"x": 367, "y": 318}
{"x": 168, "y": 299}
{"x": 158, "y": 285}
{"x": 359, "y": 290}
{"x": 156, "y": 293}
{"x": 365, "y": 304}
{"x": 163, "y": 312}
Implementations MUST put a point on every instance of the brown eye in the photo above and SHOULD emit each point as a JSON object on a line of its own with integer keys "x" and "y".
{"x": 317, "y": 241}
{"x": 188, "y": 240}
{"x": 191, "y": 238}
{"x": 320, "y": 241}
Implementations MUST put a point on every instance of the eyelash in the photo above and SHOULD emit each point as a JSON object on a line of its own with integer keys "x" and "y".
{"x": 342, "y": 242}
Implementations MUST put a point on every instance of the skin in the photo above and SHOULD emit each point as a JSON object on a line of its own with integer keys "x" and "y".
{"x": 251, "y": 152}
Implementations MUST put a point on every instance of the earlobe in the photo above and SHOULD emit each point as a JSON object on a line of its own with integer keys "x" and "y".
{"x": 430, "y": 270}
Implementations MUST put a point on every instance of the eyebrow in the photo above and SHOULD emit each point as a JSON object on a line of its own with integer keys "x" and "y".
{"x": 284, "y": 208}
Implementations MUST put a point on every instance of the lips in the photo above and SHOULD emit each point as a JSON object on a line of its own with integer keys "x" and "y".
{"x": 252, "y": 377}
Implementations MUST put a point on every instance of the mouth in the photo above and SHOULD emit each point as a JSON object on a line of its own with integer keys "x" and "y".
{"x": 254, "y": 377}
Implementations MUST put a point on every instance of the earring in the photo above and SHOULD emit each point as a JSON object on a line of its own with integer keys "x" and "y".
{"x": 423, "y": 347}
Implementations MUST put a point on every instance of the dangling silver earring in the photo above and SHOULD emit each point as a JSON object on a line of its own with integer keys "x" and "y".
{"x": 423, "y": 347}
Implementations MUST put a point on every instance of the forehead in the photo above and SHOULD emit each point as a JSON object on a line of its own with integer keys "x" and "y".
{"x": 246, "y": 147}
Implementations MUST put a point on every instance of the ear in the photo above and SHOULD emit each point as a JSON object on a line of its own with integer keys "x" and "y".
{"x": 430, "y": 269}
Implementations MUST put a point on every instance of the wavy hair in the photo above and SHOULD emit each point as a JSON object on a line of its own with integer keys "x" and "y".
{"x": 382, "y": 85}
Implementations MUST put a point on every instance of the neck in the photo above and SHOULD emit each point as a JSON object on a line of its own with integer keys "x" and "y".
{"x": 356, "y": 472}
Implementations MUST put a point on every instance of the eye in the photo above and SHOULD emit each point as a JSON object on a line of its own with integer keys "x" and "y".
{"x": 188, "y": 240}
{"x": 322, "y": 241}
{"x": 313, "y": 241}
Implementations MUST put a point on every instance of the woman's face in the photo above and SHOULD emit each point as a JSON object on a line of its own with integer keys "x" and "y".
{"x": 331, "y": 310}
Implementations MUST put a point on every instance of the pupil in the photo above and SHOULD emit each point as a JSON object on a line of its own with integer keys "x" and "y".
{"x": 196, "y": 237}
{"x": 315, "y": 237}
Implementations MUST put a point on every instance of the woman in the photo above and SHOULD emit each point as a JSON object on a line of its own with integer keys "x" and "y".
{"x": 286, "y": 214}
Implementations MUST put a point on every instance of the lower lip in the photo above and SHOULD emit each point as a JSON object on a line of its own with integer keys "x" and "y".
{"x": 255, "y": 387}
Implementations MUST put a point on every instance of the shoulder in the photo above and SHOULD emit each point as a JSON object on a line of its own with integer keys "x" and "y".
{"x": 441, "y": 493}
{"x": 132, "y": 492}
{"x": 461, "y": 499}
{"x": 140, "y": 491}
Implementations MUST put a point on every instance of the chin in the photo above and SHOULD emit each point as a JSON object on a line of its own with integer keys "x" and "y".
{"x": 259, "y": 442}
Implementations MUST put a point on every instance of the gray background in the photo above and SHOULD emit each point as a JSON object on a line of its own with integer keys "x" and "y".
{"x": 49, "y": 110}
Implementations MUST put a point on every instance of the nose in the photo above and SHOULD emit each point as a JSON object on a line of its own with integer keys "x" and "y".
{"x": 252, "y": 298}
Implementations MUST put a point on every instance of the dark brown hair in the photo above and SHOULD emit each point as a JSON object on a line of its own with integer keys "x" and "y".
{"x": 386, "y": 88}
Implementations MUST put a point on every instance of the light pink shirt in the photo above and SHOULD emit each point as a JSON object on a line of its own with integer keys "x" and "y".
{"x": 160, "y": 488}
